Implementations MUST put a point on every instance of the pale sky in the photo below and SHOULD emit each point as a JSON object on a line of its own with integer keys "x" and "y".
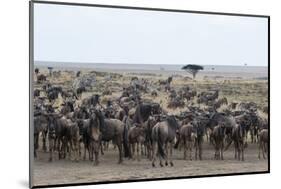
{"x": 106, "y": 35}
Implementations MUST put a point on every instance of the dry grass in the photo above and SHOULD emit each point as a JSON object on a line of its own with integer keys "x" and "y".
{"x": 247, "y": 90}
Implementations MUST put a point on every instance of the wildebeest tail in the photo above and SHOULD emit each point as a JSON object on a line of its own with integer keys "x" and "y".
{"x": 177, "y": 143}
{"x": 126, "y": 142}
{"x": 160, "y": 145}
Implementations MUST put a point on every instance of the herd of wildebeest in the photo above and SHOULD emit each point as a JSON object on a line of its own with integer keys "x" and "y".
{"x": 134, "y": 125}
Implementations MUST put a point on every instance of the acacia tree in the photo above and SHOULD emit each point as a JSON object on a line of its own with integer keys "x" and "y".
{"x": 193, "y": 69}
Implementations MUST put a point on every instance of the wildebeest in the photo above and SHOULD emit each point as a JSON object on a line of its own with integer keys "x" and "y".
{"x": 263, "y": 143}
{"x": 67, "y": 107}
{"x": 41, "y": 78}
{"x": 36, "y": 93}
{"x": 53, "y": 92}
{"x": 167, "y": 81}
{"x": 176, "y": 102}
{"x": 142, "y": 113}
{"x": 113, "y": 129}
{"x": 154, "y": 93}
{"x": 200, "y": 129}
{"x": 163, "y": 135}
{"x": 80, "y": 90}
{"x": 40, "y": 127}
{"x": 187, "y": 136}
{"x": 218, "y": 140}
{"x": 62, "y": 134}
{"x": 239, "y": 138}
{"x": 148, "y": 125}
{"x": 91, "y": 101}
{"x": 219, "y": 102}
{"x": 92, "y": 135}
{"x": 136, "y": 137}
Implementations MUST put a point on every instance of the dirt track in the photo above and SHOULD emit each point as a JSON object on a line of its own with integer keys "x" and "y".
{"x": 67, "y": 171}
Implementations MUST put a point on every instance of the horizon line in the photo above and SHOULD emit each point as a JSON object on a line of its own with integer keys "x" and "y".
{"x": 75, "y": 62}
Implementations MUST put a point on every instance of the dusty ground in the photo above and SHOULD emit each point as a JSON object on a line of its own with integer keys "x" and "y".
{"x": 67, "y": 171}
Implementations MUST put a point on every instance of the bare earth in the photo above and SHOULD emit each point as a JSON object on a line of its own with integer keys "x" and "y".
{"x": 67, "y": 171}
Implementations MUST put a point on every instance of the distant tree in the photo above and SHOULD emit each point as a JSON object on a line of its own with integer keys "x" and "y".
{"x": 193, "y": 69}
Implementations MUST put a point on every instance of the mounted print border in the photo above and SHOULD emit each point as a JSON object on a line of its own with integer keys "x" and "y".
{"x": 162, "y": 118}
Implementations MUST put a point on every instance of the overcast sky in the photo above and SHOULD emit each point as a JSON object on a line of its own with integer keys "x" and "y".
{"x": 105, "y": 35}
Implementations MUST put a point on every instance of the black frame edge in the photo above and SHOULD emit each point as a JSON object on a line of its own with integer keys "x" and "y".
{"x": 149, "y": 9}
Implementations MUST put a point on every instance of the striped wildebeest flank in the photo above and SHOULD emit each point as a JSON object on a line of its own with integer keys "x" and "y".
{"x": 163, "y": 137}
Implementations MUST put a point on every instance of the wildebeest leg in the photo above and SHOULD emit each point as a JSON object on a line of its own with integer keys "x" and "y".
{"x": 171, "y": 154}
{"x": 145, "y": 148}
{"x": 149, "y": 151}
{"x": 85, "y": 147}
{"x": 167, "y": 152}
{"x": 107, "y": 145}
{"x": 263, "y": 149}
{"x": 59, "y": 146}
{"x": 96, "y": 157}
{"x": 260, "y": 146}
{"x": 96, "y": 146}
{"x": 242, "y": 150}
{"x": 196, "y": 149}
{"x": 222, "y": 146}
{"x": 252, "y": 135}
{"x": 184, "y": 149}
{"x": 190, "y": 149}
{"x": 153, "y": 153}
{"x": 65, "y": 149}
{"x": 138, "y": 151}
{"x": 36, "y": 138}
{"x": 119, "y": 145}
{"x": 44, "y": 141}
{"x": 76, "y": 143}
{"x": 217, "y": 154}
{"x": 133, "y": 150}
{"x": 239, "y": 150}
{"x": 90, "y": 149}
{"x": 235, "y": 150}
{"x": 51, "y": 148}
{"x": 200, "y": 148}
{"x": 103, "y": 147}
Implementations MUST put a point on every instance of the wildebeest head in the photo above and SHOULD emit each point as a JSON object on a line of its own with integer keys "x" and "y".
{"x": 155, "y": 108}
{"x": 172, "y": 122}
{"x": 199, "y": 127}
